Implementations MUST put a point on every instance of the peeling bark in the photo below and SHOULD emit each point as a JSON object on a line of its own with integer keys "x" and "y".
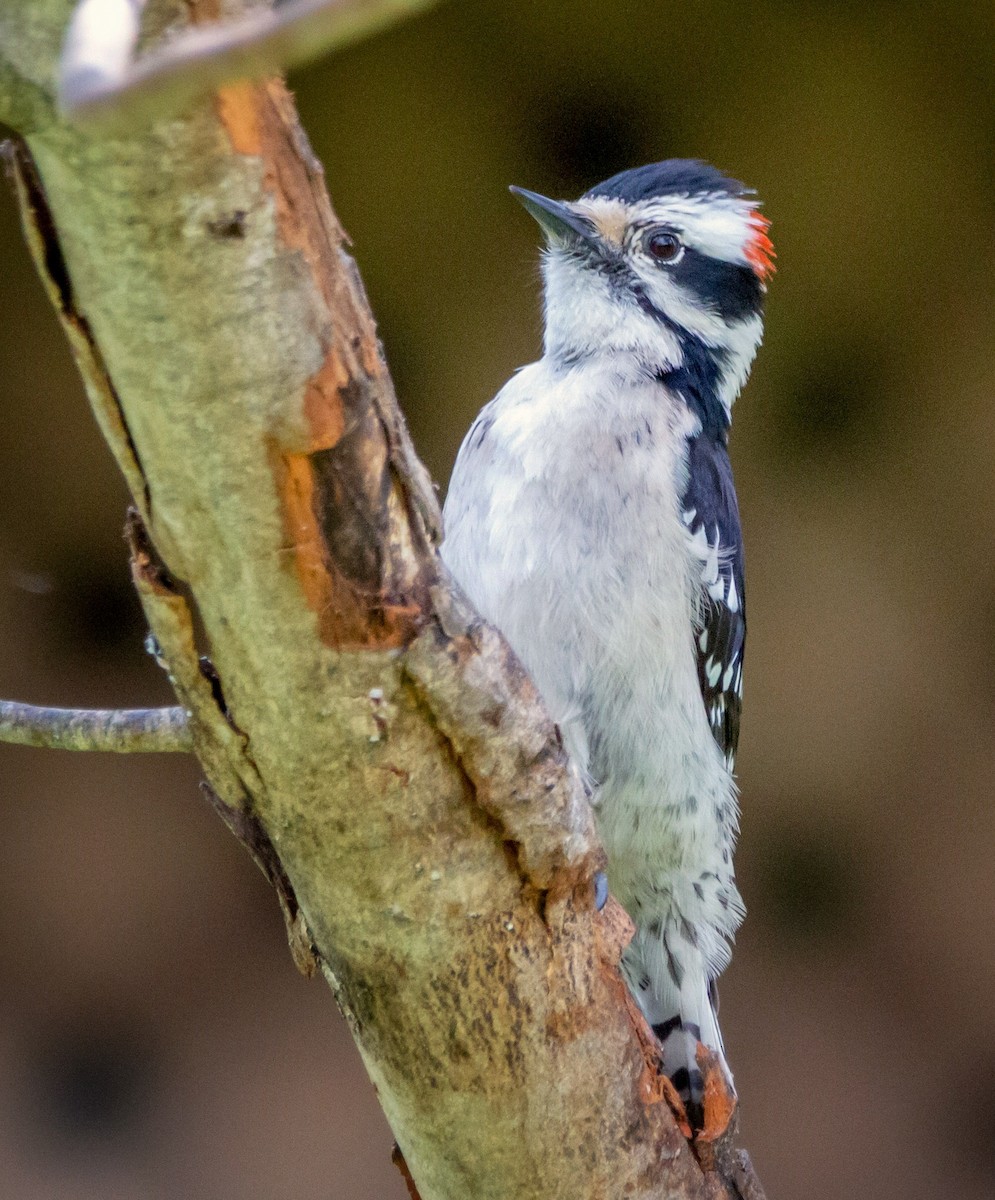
{"x": 377, "y": 748}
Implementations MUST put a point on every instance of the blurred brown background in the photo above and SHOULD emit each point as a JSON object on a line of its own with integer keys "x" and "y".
{"x": 155, "y": 1040}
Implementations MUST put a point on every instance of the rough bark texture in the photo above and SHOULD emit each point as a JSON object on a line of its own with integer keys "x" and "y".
{"x": 378, "y": 749}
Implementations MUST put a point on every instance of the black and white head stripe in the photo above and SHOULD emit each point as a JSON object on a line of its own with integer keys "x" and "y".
{"x": 716, "y": 217}
{"x": 711, "y": 515}
{"x": 665, "y": 264}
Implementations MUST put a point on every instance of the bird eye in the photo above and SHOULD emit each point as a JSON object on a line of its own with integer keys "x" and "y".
{"x": 664, "y": 247}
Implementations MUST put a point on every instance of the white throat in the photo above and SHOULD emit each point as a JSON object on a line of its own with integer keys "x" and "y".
{"x": 585, "y": 317}
{"x": 587, "y": 320}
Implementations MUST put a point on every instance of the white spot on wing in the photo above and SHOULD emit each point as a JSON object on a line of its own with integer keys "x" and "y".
{"x": 733, "y": 598}
{"x": 710, "y": 570}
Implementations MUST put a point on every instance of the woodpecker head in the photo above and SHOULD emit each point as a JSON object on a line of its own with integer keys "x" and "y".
{"x": 665, "y": 264}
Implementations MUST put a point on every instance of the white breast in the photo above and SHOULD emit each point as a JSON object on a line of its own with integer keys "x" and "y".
{"x": 563, "y": 526}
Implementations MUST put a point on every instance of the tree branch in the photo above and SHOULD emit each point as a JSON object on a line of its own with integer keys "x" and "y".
{"x": 100, "y": 82}
{"x": 120, "y": 730}
{"x": 379, "y": 750}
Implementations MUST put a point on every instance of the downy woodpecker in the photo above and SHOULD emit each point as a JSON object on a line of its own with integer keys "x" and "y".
{"x": 592, "y": 518}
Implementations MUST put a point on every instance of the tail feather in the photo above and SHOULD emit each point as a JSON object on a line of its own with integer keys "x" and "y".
{"x": 679, "y": 1055}
{"x": 677, "y": 1000}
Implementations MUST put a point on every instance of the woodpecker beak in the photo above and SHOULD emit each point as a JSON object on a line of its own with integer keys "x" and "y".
{"x": 558, "y": 221}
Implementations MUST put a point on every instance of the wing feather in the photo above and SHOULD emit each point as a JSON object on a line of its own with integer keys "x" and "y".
{"x": 711, "y": 514}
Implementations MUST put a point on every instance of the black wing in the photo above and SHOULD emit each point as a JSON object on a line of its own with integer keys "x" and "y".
{"x": 712, "y": 516}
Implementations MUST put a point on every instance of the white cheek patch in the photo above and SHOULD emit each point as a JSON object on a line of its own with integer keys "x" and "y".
{"x": 668, "y": 297}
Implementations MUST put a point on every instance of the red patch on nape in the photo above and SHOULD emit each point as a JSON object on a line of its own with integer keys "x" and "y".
{"x": 759, "y": 249}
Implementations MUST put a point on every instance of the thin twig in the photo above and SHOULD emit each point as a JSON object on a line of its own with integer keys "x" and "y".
{"x": 98, "y": 81}
{"x": 121, "y": 730}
